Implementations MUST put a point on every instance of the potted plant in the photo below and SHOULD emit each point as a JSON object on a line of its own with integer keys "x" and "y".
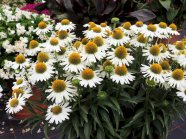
{"x": 118, "y": 81}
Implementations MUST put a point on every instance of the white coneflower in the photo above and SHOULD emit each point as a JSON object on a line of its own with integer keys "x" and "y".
{"x": 177, "y": 47}
{"x": 90, "y": 78}
{"x": 43, "y": 28}
{"x": 120, "y": 56}
{"x": 57, "y": 113}
{"x": 46, "y": 57}
{"x": 104, "y": 27}
{"x": 182, "y": 93}
{"x": 66, "y": 25}
{"x": 91, "y": 53}
{"x": 101, "y": 43}
{"x": 139, "y": 41}
{"x": 173, "y": 29}
{"x": 15, "y": 104}
{"x": 90, "y": 24}
{"x": 61, "y": 91}
{"x": 52, "y": 45}
{"x": 155, "y": 53}
{"x": 176, "y": 78}
{"x": 105, "y": 69}
{"x": 138, "y": 27}
{"x": 73, "y": 63}
{"x": 34, "y": 48}
{"x": 153, "y": 72}
{"x": 126, "y": 28}
{"x": 121, "y": 75}
{"x": 162, "y": 30}
{"x": 94, "y": 32}
{"x": 117, "y": 38}
{"x": 20, "y": 82}
{"x": 40, "y": 72}
{"x": 23, "y": 92}
{"x": 150, "y": 31}
{"x": 65, "y": 38}
{"x": 20, "y": 62}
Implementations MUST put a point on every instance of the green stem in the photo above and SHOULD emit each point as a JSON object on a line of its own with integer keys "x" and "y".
{"x": 114, "y": 25}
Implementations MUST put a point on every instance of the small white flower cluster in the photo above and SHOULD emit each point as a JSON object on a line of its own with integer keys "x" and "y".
{"x": 58, "y": 58}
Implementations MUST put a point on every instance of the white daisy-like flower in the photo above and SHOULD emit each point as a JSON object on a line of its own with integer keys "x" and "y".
{"x": 77, "y": 46}
{"x": 181, "y": 59}
{"x": 34, "y": 48}
{"x": 150, "y": 31}
{"x": 43, "y": 28}
{"x": 65, "y": 38}
{"x": 89, "y": 78}
{"x": 91, "y": 53}
{"x": 105, "y": 69}
{"x": 173, "y": 29}
{"x": 20, "y": 62}
{"x": 182, "y": 93}
{"x": 52, "y": 45}
{"x": 59, "y": 56}
{"x": 40, "y": 72}
{"x": 15, "y": 104}
{"x": 119, "y": 56}
{"x": 117, "y": 38}
{"x": 121, "y": 75}
{"x": 73, "y": 63}
{"x": 61, "y": 91}
{"x": 101, "y": 43}
{"x": 162, "y": 30}
{"x": 66, "y": 25}
{"x": 57, "y": 113}
{"x": 139, "y": 41}
{"x": 165, "y": 66}
{"x": 176, "y": 78}
{"x": 94, "y": 32}
{"x": 125, "y": 27}
{"x": 177, "y": 47}
{"x": 153, "y": 72}
{"x": 90, "y": 24}
{"x": 46, "y": 57}
{"x": 23, "y": 92}
{"x": 20, "y": 82}
{"x": 156, "y": 53}
{"x": 138, "y": 27}
{"x": 104, "y": 27}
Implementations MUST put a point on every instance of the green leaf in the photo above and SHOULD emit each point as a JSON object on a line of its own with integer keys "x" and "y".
{"x": 46, "y": 130}
{"x": 165, "y": 3}
{"x": 143, "y": 133}
{"x": 84, "y": 109}
{"x": 75, "y": 123}
{"x": 95, "y": 116}
{"x": 107, "y": 124}
{"x": 161, "y": 120}
{"x": 136, "y": 117}
{"x": 171, "y": 14}
{"x": 115, "y": 102}
{"x": 100, "y": 134}
{"x": 153, "y": 114}
{"x": 87, "y": 130}
{"x": 116, "y": 119}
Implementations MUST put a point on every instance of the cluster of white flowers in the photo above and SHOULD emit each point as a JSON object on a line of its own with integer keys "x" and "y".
{"x": 61, "y": 58}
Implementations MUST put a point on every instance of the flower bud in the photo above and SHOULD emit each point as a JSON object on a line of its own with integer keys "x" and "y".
{"x": 75, "y": 82}
{"x": 102, "y": 95}
{"x": 150, "y": 83}
{"x": 115, "y": 20}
